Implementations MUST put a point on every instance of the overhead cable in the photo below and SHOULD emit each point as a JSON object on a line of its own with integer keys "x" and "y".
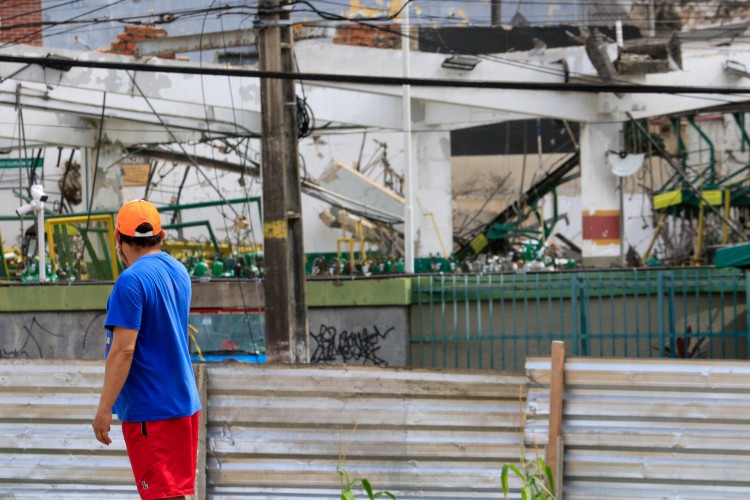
{"x": 379, "y": 80}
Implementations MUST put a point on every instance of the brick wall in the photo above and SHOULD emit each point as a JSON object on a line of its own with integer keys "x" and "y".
{"x": 382, "y": 36}
{"x": 20, "y": 22}
{"x": 125, "y": 42}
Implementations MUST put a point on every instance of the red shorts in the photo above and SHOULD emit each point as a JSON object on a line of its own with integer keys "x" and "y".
{"x": 163, "y": 455}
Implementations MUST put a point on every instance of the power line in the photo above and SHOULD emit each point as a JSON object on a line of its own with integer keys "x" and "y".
{"x": 64, "y": 64}
{"x": 38, "y": 32}
{"x": 5, "y": 26}
{"x": 494, "y": 58}
{"x": 373, "y": 24}
{"x": 174, "y": 138}
{"x": 79, "y": 21}
{"x": 521, "y": 6}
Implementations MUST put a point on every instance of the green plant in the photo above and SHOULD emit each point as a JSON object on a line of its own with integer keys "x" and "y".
{"x": 534, "y": 474}
{"x": 347, "y": 485}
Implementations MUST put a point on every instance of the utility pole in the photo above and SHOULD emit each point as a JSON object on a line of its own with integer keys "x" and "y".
{"x": 283, "y": 249}
{"x": 496, "y": 17}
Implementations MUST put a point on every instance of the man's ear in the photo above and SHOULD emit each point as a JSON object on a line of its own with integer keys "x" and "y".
{"x": 162, "y": 235}
{"x": 117, "y": 237}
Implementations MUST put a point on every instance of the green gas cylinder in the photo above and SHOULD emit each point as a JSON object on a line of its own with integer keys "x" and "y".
{"x": 400, "y": 266}
{"x": 201, "y": 268}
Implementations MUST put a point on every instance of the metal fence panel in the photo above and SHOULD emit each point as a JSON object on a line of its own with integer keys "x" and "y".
{"x": 48, "y": 448}
{"x": 632, "y": 429}
{"x": 648, "y": 428}
{"x": 495, "y": 321}
{"x": 281, "y": 432}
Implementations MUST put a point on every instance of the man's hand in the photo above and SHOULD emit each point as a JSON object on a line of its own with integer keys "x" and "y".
{"x": 101, "y": 426}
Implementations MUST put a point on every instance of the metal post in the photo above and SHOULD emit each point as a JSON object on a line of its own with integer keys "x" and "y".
{"x": 575, "y": 316}
{"x": 583, "y": 13}
{"x": 651, "y": 20}
{"x": 583, "y": 325}
{"x": 40, "y": 241}
{"x": 408, "y": 165}
{"x": 660, "y": 310}
{"x": 622, "y": 221}
{"x": 671, "y": 316}
{"x": 284, "y": 284}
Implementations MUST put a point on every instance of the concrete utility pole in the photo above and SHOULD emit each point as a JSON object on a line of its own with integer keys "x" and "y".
{"x": 496, "y": 17}
{"x": 283, "y": 249}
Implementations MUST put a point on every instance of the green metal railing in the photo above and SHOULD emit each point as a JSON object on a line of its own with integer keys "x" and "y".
{"x": 495, "y": 321}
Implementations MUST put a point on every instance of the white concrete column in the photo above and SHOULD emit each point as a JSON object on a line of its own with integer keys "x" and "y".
{"x": 106, "y": 177}
{"x": 433, "y": 207}
{"x": 600, "y": 197}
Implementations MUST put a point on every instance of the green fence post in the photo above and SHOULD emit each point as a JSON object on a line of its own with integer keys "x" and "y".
{"x": 583, "y": 305}
{"x": 671, "y": 314}
{"x": 747, "y": 312}
{"x": 419, "y": 321}
{"x": 660, "y": 309}
{"x": 480, "y": 333}
{"x": 574, "y": 312}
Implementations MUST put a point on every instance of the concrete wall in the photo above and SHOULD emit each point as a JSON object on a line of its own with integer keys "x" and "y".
{"x": 364, "y": 322}
{"x": 359, "y": 335}
{"x": 46, "y": 335}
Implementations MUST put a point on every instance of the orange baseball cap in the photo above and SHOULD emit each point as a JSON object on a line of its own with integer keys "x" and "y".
{"x": 133, "y": 214}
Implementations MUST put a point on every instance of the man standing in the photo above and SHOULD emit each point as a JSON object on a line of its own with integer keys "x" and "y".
{"x": 148, "y": 376}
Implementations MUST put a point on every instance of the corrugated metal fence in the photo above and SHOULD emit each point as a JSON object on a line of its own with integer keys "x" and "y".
{"x": 494, "y": 321}
{"x": 642, "y": 429}
{"x": 274, "y": 432}
{"x": 281, "y": 432}
{"x": 648, "y": 429}
{"x": 48, "y": 449}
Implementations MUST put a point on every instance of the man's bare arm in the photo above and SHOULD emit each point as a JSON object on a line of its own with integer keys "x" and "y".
{"x": 116, "y": 372}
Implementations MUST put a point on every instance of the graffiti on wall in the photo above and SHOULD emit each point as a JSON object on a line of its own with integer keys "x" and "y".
{"x": 360, "y": 345}
{"x": 13, "y": 354}
{"x": 37, "y": 336}
{"x": 90, "y": 326}
{"x": 29, "y": 342}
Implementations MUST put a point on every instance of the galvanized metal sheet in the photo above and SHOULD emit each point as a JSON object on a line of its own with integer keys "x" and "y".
{"x": 281, "y": 432}
{"x": 648, "y": 428}
{"x": 48, "y": 448}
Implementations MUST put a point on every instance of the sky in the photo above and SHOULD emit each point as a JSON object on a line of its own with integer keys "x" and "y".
{"x": 93, "y": 24}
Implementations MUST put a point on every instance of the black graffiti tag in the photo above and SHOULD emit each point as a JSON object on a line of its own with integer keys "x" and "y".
{"x": 361, "y": 346}
{"x": 13, "y": 354}
{"x": 29, "y": 342}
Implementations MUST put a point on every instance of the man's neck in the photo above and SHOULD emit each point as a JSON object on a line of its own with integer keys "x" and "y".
{"x": 142, "y": 252}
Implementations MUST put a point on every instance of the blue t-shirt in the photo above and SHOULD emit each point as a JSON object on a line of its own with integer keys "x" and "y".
{"x": 153, "y": 297}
